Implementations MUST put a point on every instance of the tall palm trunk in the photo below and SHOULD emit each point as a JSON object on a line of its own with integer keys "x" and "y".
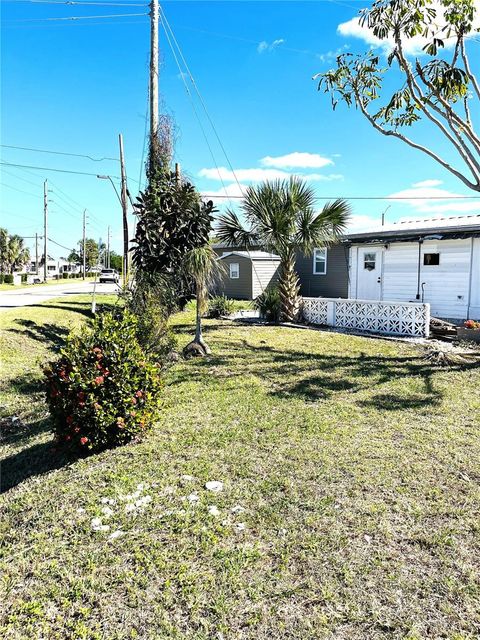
{"x": 289, "y": 289}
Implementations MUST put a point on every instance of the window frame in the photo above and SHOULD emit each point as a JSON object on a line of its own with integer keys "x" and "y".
{"x": 234, "y": 264}
{"x": 370, "y": 261}
{"x": 431, "y": 253}
{"x": 325, "y": 251}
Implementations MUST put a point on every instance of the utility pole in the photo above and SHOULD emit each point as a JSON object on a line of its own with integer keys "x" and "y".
{"x": 36, "y": 253}
{"x": 154, "y": 13}
{"x": 84, "y": 241}
{"x": 45, "y": 230}
{"x": 107, "y": 258}
{"x": 125, "y": 211}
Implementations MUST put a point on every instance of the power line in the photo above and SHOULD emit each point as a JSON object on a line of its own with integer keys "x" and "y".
{"x": 74, "y": 2}
{"x": 115, "y": 15}
{"x": 60, "y": 245}
{"x": 214, "y": 195}
{"x": 59, "y": 153}
{"x": 27, "y": 193}
{"x": 78, "y": 173}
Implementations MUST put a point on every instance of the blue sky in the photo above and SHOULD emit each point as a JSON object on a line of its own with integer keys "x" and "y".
{"x": 73, "y": 86}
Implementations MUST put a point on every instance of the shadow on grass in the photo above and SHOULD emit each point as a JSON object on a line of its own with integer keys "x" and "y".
{"x": 33, "y": 461}
{"x": 314, "y": 377}
{"x": 48, "y": 332}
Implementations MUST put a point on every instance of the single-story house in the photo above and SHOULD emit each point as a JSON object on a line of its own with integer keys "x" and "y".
{"x": 434, "y": 260}
{"x": 246, "y": 274}
{"x": 322, "y": 273}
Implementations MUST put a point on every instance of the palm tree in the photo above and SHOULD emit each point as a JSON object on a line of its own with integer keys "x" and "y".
{"x": 201, "y": 264}
{"x": 281, "y": 218}
{"x": 14, "y": 254}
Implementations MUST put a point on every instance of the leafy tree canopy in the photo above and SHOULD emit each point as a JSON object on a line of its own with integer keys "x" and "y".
{"x": 437, "y": 85}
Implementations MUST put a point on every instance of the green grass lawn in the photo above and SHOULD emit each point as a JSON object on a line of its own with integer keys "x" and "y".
{"x": 349, "y": 508}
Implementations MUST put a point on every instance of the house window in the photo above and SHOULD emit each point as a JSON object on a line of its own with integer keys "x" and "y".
{"x": 51, "y": 267}
{"x": 431, "y": 259}
{"x": 234, "y": 271}
{"x": 320, "y": 262}
{"x": 369, "y": 261}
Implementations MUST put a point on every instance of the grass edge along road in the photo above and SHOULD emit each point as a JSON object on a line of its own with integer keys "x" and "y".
{"x": 348, "y": 506}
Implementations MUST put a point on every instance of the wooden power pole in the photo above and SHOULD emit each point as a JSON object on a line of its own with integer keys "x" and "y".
{"x": 84, "y": 242}
{"x": 107, "y": 257}
{"x": 124, "y": 202}
{"x": 154, "y": 14}
{"x": 45, "y": 230}
{"x": 36, "y": 253}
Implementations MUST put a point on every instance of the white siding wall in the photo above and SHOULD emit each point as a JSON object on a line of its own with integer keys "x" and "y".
{"x": 263, "y": 272}
{"x": 475, "y": 281}
{"x": 446, "y": 285}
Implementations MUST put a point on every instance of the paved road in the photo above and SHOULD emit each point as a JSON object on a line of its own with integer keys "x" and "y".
{"x": 36, "y": 295}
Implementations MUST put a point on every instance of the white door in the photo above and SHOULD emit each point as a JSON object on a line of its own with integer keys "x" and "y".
{"x": 370, "y": 273}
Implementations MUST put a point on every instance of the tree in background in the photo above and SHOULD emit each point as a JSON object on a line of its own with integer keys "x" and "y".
{"x": 438, "y": 85}
{"x": 116, "y": 261}
{"x": 202, "y": 265}
{"x": 14, "y": 255}
{"x": 281, "y": 218}
{"x": 91, "y": 254}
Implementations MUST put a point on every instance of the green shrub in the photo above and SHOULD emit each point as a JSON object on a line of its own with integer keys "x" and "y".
{"x": 268, "y": 304}
{"x": 220, "y": 306}
{"x": 146, "y": 302}
{"x": 2, "y": 278}
{"x": 8, "y": 278}
{"x": 23, "y": 278}
{"x": 65, "y": 275}
{"x": 103, "y": 391}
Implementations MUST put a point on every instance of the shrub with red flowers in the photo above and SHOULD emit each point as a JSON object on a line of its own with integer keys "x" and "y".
{"x": 103, "y": 390}
{"x": 471, "y": 324}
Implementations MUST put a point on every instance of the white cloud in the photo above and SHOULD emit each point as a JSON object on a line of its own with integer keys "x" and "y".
{"x": 269, "y": 46}
{"x": 258, "y": 175}
{"x": 427, "y": 198}
{"x": 221, "y": 196}
{"x": 296, "y": 159}
{"x": 247, "y": 175}
{"x": 427, "y": 183}
{"x": 331, "y": 55}
{"x": 412, "y": 46}
{"x": 359, "y": 223}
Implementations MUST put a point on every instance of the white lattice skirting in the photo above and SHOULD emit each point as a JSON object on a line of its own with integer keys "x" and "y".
{"x": 394, "y": 318}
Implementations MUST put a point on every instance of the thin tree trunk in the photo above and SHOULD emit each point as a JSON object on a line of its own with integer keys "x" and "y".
{"x": 289, "y": 289}
{"x": 198, "y": 326}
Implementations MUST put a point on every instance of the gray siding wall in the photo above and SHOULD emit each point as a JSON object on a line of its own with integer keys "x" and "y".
{"x": 334, "y": 284}
{"x": 264, "y": 272}
{"x": 241, "y": 287}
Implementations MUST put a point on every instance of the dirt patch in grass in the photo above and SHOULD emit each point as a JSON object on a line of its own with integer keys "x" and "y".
{"x": 349, "y": 508}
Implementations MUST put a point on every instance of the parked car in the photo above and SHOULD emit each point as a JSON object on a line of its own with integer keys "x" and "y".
{"x": 108, "y": 275}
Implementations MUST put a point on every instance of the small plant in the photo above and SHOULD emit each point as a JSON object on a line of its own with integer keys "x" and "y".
{"x": 23, "y": 278}
{"x": 8, "y": 278}
{"x": 103, "y": 391}
{"x": 268, "y": 304}
{"x": 219, "y": 306}
{"x": 65, "y": 275}
{"x": 471, "y": 324}
{"x": 2, "y": 278}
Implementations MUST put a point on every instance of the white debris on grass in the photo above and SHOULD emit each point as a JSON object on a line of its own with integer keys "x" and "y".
{"x": 116, "y": 534}
{"x": 214, "y": 485}
{"x": 239, "y": 526}
{"x": 107, "y": 511}
{"x": 187, "y": 478}
{"x": 80, "y": 510}
{"x": 142, "y": 502}
{"x": 129, "y": 507}
{"x": 193, "y": 498}
{"x": 107, "y": 501}
{"x": 98, "y": 526}
{"x": 213, "y": 510}
{"x": 237, "y": 509}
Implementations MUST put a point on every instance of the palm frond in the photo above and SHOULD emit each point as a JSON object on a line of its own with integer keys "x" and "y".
{"x": 231, "y": 231}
